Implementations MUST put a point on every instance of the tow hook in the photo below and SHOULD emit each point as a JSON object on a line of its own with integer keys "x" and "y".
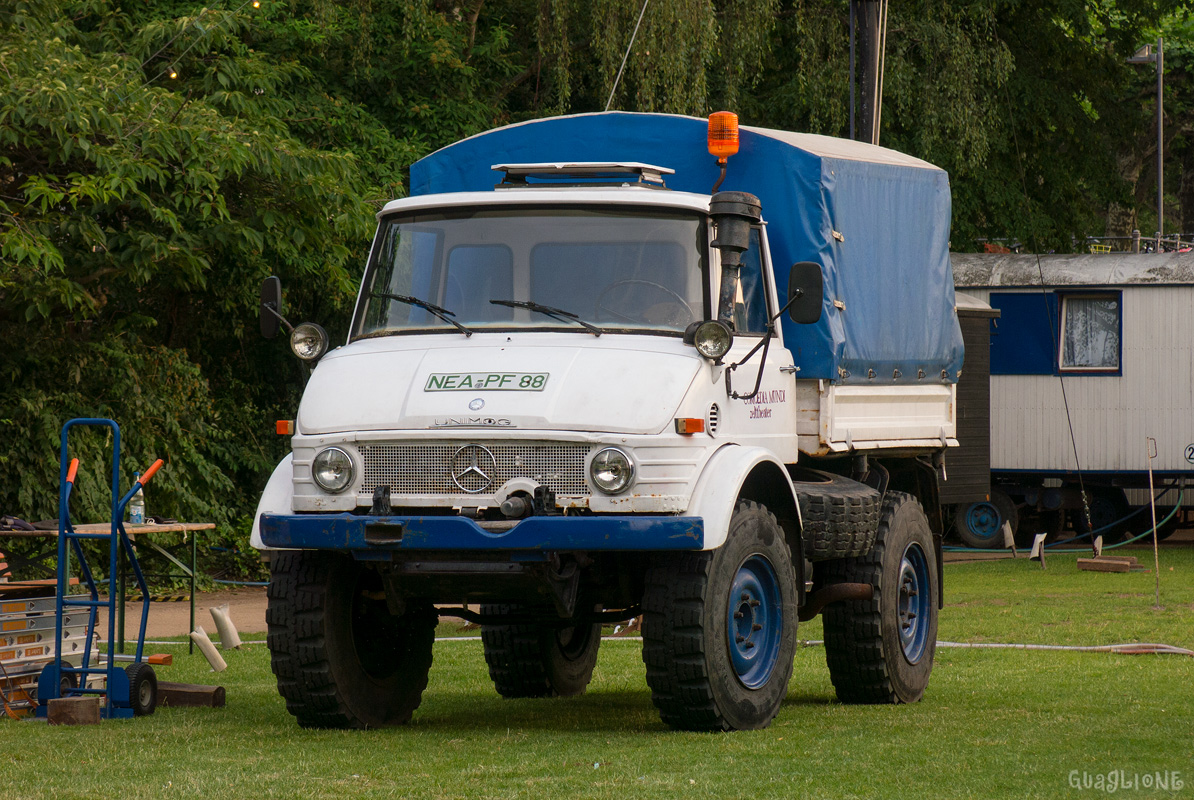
{"x": 834, "y": 593}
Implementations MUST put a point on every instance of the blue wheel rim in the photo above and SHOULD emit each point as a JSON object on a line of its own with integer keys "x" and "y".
{"x": 983, "y": 520}
{"x": 916, "y": 603}
{"x": 754, "y": 621}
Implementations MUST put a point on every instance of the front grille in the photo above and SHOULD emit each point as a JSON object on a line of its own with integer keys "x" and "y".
{"x": 428, "y": 468}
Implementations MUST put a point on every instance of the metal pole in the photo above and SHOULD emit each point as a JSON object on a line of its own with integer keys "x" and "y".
{"x": 1151, "y": 450}
{"x": 194, "y": 564}
{"x": 1160, "y": 142}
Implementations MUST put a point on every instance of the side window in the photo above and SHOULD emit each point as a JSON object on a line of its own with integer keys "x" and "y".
{"x": 750, "y": 300}
{"x": 1090, "y": 332}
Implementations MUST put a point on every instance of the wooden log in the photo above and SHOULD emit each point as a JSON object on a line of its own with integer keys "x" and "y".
{"x": 74, "y": 711}
{"x": 189, "y": 695}
{"x": 1102, "y": 565}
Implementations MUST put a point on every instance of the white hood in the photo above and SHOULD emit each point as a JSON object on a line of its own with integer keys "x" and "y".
{"x": 615, "y": 383}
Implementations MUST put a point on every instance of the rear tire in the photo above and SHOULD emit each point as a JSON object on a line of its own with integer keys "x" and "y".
{"x": 342, "y": 660}
{"x": 719, "y": 628}
{"x": 538, "y": 660}
{"x": 881, "y": 650}
{"x": 1108, "y": 506}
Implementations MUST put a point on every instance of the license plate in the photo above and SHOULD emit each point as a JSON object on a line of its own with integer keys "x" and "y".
{"x": 486, "y": 381}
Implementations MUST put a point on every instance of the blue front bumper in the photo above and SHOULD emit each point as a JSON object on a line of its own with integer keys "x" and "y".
{"x": 380, "y": 534}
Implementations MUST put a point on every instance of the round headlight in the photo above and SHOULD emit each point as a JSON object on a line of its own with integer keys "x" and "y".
{"x": 713, "y": 339}
{"x": 332, "y": 470}
{"x": 611, "y": 470}
{"x": 309, "y": 341}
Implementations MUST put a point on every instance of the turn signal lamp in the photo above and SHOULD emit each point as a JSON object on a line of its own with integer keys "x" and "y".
{"x": 285, "y": 427}
{"x": 723, "y": 135}
{"x": 689, "y": 425}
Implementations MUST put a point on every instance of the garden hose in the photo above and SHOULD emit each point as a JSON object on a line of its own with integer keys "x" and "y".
{"x": 1053, "y": 547}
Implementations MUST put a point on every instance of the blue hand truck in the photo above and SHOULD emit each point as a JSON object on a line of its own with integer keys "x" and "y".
{"x": 128, "y": 692}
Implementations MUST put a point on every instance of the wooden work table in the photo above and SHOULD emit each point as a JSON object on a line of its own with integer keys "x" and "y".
{"x": 141, "y": 535}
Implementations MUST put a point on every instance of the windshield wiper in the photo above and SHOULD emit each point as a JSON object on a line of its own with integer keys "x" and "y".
{"x": 558, "y": 313}
{"x": 443, "y": 313}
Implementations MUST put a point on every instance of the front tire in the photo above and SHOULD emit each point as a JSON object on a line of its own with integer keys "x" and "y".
{"x": 881, "y": 650}
{"x": 342, "y": 660}
{"x": 538, "y": 660}
{"x": 719, "y": 628}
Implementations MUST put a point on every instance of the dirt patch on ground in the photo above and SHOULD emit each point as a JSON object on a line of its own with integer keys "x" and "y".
{"x": 246, "y": 607}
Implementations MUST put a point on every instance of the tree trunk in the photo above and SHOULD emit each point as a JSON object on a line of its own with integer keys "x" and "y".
{"x": 1121, "y": 219}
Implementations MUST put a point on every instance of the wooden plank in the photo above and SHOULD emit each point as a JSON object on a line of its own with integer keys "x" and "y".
{"x": 149, "y": 527}
{"x": 74, "y": 711}
{"x": 183, "y": 695}
{"x": 18, "y": 589}
{"x": 1100, "y": 565}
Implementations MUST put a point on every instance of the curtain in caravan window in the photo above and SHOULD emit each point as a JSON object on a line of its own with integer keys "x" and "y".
{"x": 1091, "y": 332}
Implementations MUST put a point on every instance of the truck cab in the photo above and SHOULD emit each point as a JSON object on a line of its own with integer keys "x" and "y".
{"x": 578, "y": 396}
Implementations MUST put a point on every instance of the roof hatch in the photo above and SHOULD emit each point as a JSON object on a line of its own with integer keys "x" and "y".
{"x": 583, "y": 173}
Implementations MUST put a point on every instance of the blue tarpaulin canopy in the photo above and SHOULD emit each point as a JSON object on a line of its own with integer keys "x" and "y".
{"x": 876, "y": 220}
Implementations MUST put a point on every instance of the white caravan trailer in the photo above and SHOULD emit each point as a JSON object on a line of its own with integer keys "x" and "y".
{"x": 1117, "y": 332}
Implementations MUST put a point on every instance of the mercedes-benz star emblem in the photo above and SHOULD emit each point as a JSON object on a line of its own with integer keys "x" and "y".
{"x": 477, "y": 405}
{"x": 473, "y": 468}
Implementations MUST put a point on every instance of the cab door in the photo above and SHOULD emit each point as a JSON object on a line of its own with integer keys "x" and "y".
{"x": 766, "y": 417}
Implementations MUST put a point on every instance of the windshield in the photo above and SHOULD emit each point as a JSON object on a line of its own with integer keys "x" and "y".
{"x": 639, "y": 269}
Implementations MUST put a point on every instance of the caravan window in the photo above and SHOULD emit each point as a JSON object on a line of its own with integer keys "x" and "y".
{"x": 1090, "y": 332}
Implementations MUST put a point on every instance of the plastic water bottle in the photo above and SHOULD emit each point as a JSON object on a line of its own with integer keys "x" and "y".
{"x": 137, "y": 505}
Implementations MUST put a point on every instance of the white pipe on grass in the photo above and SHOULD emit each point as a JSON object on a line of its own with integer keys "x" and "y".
{"x": 199, "y": 637}
{"x": 229, "y": 638}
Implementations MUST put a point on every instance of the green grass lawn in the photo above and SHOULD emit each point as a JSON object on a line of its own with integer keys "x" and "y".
{"x": 994, "y": 723}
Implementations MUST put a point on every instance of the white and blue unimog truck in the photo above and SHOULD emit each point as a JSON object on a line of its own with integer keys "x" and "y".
{"x": 580, "y": 387}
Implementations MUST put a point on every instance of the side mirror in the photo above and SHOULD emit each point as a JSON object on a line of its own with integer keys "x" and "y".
{"x": 271, "y": 306}
{"x": 806, "y": 288}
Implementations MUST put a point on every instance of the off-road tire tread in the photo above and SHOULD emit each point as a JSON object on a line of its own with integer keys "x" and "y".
{"x": 674, "y": 612}
{"x": 853, "y": 629}
{"x": 839, "y": 517}
{"x": 514, "y": 654}
{"x": 673, "y": 642}
{"x": 298, "y": 653}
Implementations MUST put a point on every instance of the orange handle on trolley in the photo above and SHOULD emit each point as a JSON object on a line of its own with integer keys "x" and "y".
{"x": 149, "y": 473}
{"x": 71, "y": 470}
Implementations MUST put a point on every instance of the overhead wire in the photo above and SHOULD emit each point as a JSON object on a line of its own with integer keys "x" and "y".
{"x": 1034, "y": 242}
{"x": 626, "y": 56}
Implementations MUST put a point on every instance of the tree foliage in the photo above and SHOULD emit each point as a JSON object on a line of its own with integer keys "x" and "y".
{"x": 138, "y": 214}
{"x": 157, "y": 160}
